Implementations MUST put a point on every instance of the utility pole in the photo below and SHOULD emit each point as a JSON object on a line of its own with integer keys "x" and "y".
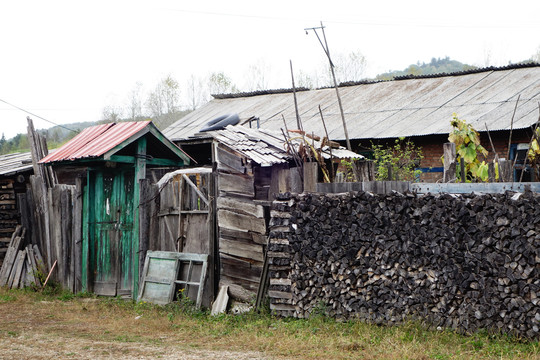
{"x": 327, "y": 52}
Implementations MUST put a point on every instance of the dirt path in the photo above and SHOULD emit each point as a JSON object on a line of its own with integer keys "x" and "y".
{"x": 84, "y": 330}
{"x": 33, "y": 345}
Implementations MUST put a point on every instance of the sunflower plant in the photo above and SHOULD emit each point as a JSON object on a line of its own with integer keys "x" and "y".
{"x": 468, "y": 148}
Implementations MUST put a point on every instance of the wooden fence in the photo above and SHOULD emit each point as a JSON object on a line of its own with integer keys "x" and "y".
{"x": 54, "y": 218}
{"x": 386, "y": 187}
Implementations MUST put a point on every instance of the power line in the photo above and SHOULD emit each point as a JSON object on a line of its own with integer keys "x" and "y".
{"x": 39, "y": 117}
{"x": 381, "y": 22}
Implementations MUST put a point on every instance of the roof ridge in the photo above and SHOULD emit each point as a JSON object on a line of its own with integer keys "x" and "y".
{"x": 374, "y": 81}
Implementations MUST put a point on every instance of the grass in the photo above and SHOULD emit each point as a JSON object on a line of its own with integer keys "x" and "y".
{"x": 114, "y": 320}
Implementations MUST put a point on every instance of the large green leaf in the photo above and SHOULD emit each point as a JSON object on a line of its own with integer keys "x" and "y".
{"x": 470, "y": 153}
{"x": 482, "y": 171}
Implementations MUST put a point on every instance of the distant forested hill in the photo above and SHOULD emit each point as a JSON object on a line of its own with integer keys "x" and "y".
{"x": 55, "y": 136}
{"x": 60, "y": 134}
{"x": 435, "y": 66}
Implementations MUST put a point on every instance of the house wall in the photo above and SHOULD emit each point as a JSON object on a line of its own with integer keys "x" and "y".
{"x": 432, "y": 148}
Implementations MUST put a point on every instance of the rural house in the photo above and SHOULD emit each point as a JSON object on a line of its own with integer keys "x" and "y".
{"x": 416, "y": 107}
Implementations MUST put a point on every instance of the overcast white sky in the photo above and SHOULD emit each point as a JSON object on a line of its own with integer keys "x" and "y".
{"x": 66, "y": 60}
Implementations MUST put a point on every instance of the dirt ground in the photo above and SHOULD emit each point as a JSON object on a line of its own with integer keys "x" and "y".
{"x": 81, "y": 330}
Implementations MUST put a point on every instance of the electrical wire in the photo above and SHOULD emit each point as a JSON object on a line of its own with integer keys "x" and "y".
{"x": 39, "y": 117}
{"x": 382, "y": 22}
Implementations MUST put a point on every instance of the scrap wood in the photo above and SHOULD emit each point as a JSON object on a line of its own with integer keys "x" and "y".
{"x": 48, "y": 276}
{"x": 10, "y": 258}
{"x": 301, "y": 132}
{"x": 21, "y": 263}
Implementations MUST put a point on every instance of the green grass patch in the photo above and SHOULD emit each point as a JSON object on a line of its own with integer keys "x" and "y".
{"x": 319, "y": 337}
{"x": 7, "y": 298}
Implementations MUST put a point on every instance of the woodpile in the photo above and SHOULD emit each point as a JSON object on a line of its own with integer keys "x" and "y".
{"x": 22, "y": 264}
{"x": 465, "y": 262}
{"x": 280, "y": 257}
{"x": 9, "y": 217}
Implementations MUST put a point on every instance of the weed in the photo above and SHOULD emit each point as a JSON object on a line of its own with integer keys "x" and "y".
{"x": 13, "y": 333}
{"x": 7, "y": 298}
{"x": 66, "y": 296}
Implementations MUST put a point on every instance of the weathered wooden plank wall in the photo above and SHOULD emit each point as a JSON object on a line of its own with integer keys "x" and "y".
{"x": 55, "y": 216}
{"x": 242, "y": 224}
{"x": 376, "y": 187}
{"x": 183, "y": 218}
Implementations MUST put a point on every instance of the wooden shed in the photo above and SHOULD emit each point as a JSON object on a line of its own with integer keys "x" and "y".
{"x": 250, "y": 166}
{"x": 115, "y": 158}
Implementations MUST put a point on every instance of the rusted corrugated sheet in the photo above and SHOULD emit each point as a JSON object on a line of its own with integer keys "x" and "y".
{"x": 411, "y": 107}
{"x": 95, "y": 141}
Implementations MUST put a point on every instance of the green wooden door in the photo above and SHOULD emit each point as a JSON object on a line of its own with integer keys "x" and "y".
{"x": 111, "y": 231}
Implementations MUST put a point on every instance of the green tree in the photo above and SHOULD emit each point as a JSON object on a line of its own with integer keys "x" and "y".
{"x": 2, "y": 143}
{"x": 257, "y": 76}
{"x": 134, "y": 105}
{"x": 219, "y": 83}
{"x": 165, "y": 98}
{"x": 196, "y": 92}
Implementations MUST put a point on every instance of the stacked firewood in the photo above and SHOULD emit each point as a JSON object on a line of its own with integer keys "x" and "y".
{"x": 9, "y": 218}
{"x": 280, "y": 257}
{"x": 22, "y": 264}
{"x": 463, "y": 262}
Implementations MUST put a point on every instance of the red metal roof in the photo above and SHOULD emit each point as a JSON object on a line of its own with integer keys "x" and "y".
{"x": 95, "y": 141}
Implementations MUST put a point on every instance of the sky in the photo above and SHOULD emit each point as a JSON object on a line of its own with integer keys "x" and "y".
{"x": 65, "y": 61}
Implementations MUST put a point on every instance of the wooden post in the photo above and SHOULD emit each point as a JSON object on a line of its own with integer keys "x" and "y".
{"x": 140, "y": 173}
{"x": 310, "y": 176}
{"x": 332, "y": 172}
{"x": 505, "y": 170}
{"x": 449, "y": 151}
{"x": 213, "y": 249}
{"x": 76, "y": 236}
{"x": 390, "y": 176}
{"x": 463, "y": 174}
{"x": 295, "y": 179}
{"x": 298, "y": 122}
{"x": 491, "y": 172}
{"x": 180, "y": 234}
{"x": 366, "y": 172}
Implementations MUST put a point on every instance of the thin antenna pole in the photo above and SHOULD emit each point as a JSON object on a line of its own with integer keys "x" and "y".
{"x": 327, "y": 52}
{"x": 298, "y": 122}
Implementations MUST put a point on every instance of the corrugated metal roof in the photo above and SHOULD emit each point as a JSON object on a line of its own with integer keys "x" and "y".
{"x": 11, "y": 164}
{"x": 268, "y": 147}
{"x": 95, "y": 141}
{"x": 408, "y": 107}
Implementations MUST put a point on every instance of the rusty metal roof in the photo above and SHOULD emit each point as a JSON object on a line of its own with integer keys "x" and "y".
{"x": 389, "y": 109}
{"x": 95, "y": 141}
{"x": 268, "y": 147}
{"x": 15, "y": 163}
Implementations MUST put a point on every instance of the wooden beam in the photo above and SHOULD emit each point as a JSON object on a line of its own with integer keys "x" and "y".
{"x": 201, "y": 195}
{"x": 169, "y": 144}
{"x": 140, "y": 174}
{"x": 123, "y": 144}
